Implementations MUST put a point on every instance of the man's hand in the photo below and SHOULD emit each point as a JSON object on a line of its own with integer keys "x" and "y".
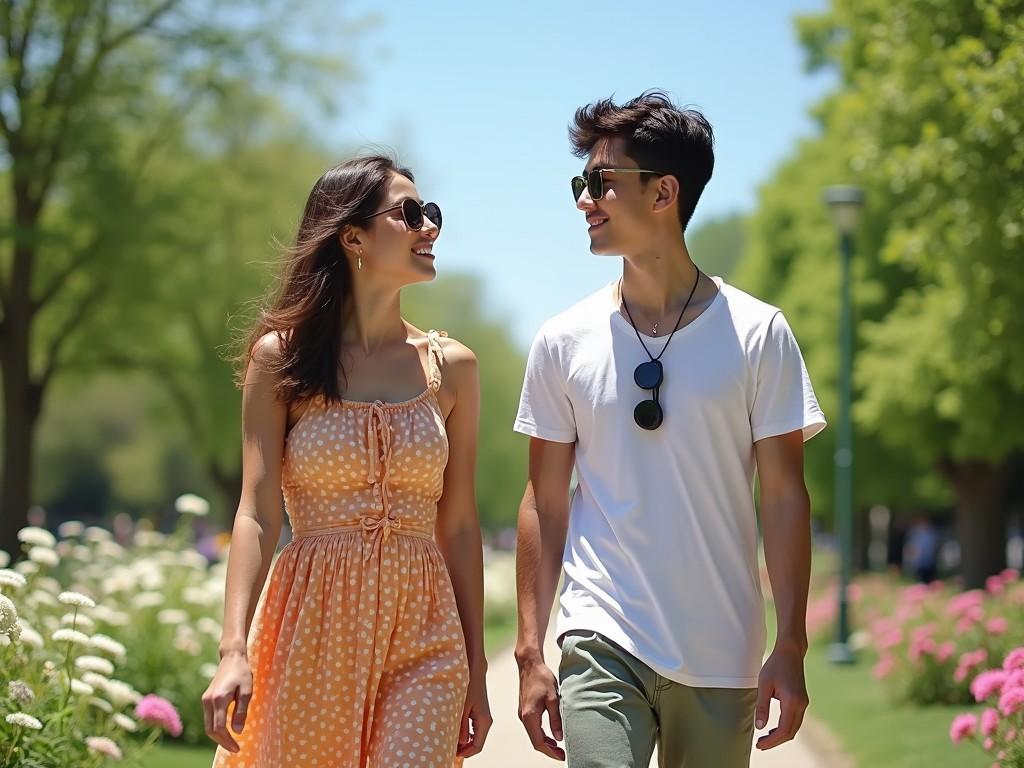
{"x": 782, "y": 678}
{"x": 538, "y": 693}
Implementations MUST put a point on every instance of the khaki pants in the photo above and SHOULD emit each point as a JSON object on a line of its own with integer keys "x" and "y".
{"x": 615, "y": 709}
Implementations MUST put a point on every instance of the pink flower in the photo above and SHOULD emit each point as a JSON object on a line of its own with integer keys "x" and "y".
{"x": 104, "y": 746}
{"x": 159, "y": 711}
{"x": 963, "y": 727}
{"x": 965, "y": 624}
{"x": 1014, "y": 659}
{"x": 1014, "y": 680}
{"x": 924, "y": 632}
{"x": 1011, "y": 734}
{"x": 915, "y": 594}
{"x": 988, "y": 683}
{"x": 1010, "y": 574}
{"x": 994, "y": 585}
{"x": 945, "y": 651}
{"x": 889, "y": 640}
{"x": 884, "y": 667}
{"x": 1011, "y": 700}
{"x": 989, "y": 721}
{"x": 923, "y": 646}
{"x": 960, "y": 604}
{"x": 997, "y": 625}
{"x": 988, "y": 744}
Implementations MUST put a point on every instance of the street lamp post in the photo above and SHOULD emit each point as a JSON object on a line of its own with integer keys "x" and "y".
{"x": 846, "y": 204}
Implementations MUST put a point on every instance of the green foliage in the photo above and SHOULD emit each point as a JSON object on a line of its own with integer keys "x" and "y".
{"x": 927, "y": 120}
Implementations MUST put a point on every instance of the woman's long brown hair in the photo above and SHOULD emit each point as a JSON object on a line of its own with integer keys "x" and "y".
{"x": 313, "y": 297}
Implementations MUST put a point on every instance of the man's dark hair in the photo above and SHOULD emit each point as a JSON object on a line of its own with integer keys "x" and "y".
{"x": 658, "y": 135}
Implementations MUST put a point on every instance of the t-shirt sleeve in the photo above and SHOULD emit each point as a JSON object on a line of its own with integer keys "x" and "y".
{"x": 784, "y": 400}
{"x": 545, "y": 410}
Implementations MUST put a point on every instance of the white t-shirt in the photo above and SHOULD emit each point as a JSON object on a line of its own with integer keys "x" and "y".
{"x": 661, "y": 554}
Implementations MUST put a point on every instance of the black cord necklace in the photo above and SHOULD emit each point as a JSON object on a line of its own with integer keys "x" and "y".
{"x": 648, "y": 414}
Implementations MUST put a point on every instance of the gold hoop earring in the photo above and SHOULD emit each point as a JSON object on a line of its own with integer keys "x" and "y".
{"x": 359, "y": 259}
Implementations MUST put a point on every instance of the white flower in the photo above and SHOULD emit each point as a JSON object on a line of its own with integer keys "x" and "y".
{"x": 109, "y": 549}
{"x": 193, "y": 559}
{"x": 67, "y": 530}
{"x": 39, "y": 537}
{"x": 172, "y": 616}
{"x": 9, "y": 578}
{"x": 95, "y": 679}
{"x": 26, "y": 568}
{"x": 125, "y": 722}
{"x": 121, "y": 693}
{"x": 104, "y": 746}
{"x": 20, "y": 692}
{"x": 5, "y": 641}
{"x": 76, "y": 599}
{"x": 5, "y": 559}
{"x": 70, "y": 636}
{"x": 148, "y": 599}
{"x": 149, "y": 539}
{"x": 208, "y": 626}
{"x": 208, "y": 670}
{"x": 81, "y": 688}
{"x": 96, "y": 534}
{"x": 81, "y": 621}
{"x": 190, "y": 504}
{"x": 29, "y": 636}
{"x": 94, "y": 664}
{"x": 24, "y": 721}
{"x": 152, "y": 580}
{"x": 42, "y": 597}
{"x": 48, "y": 584}
{"x": 109, "y": 616}
{"x": 44, "y": 556}
{"x": 107, "y": 645}
{"x": 103, "y": 704}
{"x": 8, "y": 615}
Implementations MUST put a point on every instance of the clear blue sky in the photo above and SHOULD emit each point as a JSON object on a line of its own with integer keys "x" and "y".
{"x": 476, "y": 98}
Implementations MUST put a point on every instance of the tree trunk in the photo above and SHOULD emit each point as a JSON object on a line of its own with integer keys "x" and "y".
{"x": 229, "y": 485}
{"x": 22, "y": 401}
{"x": 980, "y": 490}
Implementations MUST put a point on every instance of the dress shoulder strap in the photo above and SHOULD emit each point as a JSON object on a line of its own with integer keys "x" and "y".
{"x": 435, "y": 358}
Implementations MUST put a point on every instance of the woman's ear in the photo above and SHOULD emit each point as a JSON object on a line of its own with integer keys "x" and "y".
{"x": 351, "y": 238}
{"x": 668, "y": 193}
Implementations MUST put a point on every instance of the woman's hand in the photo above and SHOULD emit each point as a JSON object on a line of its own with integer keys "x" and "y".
{"x": 476, "y": 716}
{"x": 232, "y": 683}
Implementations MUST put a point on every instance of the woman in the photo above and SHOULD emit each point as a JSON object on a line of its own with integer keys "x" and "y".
{"x": 368, "y": 650}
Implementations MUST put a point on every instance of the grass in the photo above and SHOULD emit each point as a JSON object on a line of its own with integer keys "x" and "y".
{"x": 874, "y": 731}
{"x": 180, "y": 757}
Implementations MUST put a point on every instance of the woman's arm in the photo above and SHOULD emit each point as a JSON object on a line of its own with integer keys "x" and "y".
{"x": 254, "y": 538}
{"x": 458, "y": 535}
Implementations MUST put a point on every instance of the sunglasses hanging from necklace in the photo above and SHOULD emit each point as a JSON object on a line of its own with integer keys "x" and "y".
{"x": 648, "y": 414}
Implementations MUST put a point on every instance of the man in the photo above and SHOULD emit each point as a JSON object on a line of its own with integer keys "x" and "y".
{"x": 663, "y": 391}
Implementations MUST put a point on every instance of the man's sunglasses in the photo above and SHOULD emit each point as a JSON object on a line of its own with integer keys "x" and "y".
{"x": 593, "y": 182}
{"x": 413, "y": 213}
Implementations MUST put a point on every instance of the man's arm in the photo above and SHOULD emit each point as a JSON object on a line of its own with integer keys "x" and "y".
{"x": 543, "y": 521}
{"x": 786, "y": 527}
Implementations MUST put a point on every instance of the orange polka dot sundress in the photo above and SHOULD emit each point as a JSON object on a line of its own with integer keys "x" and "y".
{"x": 357, "y": 654}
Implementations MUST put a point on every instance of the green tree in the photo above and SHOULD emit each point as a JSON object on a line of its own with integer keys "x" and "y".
{"x": 717, "y": 244}
{"x": 927, "y": 119}
{"x": 456, "y": 304}
{"x": 90, "y": 94}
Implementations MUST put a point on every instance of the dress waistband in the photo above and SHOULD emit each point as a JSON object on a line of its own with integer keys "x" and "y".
{"x": 382, "y": 526}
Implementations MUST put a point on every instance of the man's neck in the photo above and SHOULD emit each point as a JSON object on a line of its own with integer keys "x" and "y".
{"x": 658, "y": 282}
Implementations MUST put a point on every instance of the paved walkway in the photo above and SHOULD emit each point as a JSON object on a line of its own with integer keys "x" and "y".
{"x": 508, "y": 747}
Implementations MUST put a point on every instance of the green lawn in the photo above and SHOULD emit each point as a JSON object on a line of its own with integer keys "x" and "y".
{"x": 877, "y": 733}
{"x": 180, "y": 757}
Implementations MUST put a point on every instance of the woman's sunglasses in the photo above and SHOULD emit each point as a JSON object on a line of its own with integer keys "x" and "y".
{"x": 413, "y": 213}
{"x": 593, "y": 182}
